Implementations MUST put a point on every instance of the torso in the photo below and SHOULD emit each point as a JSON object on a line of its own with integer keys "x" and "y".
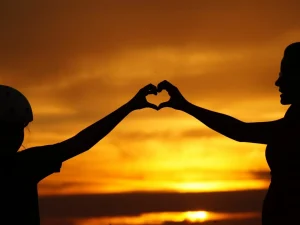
{"x": 20, "y": 175}
{"x": 282, "y": 154}
{"x": 20, "y": 197}
{"x": 283, "y": 158}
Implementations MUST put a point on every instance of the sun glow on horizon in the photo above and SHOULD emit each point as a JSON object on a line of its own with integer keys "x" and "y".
{"x": 161, "y": 217}
{"x": 198, "y": 216}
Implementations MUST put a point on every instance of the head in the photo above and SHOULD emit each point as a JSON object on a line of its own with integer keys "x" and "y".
{"x": 15, "y": 115}
{"x": 11, "y": 137}
{"x": 289, "y": 75}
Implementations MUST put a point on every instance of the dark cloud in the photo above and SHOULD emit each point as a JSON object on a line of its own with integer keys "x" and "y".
{"x": 106, "y": 177}
{"x": 251, "y": 221}
{"x": 46, "y": 186}
{"x": 113, "y": 177}
{"x": 127, "y": 204}
{"x": 247, "y": 221}
{"x": 263, "y": 175}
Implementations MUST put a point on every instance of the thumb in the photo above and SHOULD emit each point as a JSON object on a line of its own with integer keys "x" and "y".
{"x": 152, "y": 106}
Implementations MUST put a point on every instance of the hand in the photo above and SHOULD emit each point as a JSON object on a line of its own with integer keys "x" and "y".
{"x": 176, "y": 101}
{"x": 139, "y": 101}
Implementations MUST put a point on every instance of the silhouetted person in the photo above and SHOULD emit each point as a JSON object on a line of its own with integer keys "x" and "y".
{"x": 282, "y": 137}
{"x": 21, "y": 171}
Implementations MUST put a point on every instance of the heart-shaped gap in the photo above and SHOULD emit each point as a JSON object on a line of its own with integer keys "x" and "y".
{"x": 162, "y": 96}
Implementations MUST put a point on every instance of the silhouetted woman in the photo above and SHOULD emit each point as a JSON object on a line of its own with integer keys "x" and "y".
{"x": 282, "y": 137}
{"x": 21, "y": 171}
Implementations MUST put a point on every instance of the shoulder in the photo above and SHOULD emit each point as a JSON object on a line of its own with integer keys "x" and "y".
{"x": 36, "y": 163}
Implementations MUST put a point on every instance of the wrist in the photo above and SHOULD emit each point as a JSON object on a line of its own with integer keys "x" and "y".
{"x": 185, "y": 106}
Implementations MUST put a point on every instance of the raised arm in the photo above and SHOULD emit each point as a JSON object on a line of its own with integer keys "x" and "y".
{"x": 91, "y": 135}
{"x": 260, "y": 132}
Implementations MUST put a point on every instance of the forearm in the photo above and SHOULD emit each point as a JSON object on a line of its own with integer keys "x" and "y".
{"x": 221, "y": 123}
{"x": 91, "y": 135}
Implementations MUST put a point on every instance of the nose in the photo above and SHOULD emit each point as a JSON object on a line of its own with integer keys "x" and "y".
{"x": 277, "y": 82}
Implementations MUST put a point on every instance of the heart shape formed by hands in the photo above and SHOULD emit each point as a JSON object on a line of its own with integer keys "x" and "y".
{"x": 161, "y": 96}
{"x": 175, "y": 98}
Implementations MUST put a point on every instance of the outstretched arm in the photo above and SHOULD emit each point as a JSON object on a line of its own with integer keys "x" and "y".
{"x": 91, "y": 135}
{"x": 260, "y": 132}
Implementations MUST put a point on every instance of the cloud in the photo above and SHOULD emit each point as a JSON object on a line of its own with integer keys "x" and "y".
{"x": 61, "y": 185}
{"x": 264, "y": 175}
{"x": 252, "y": 221}
{"x": 247, "y": 221}
{"x": 47, "y": 41}
{"x": 167, "y": 135}
{"x": 88, "y": 58}
{"x": 125, "y": 204}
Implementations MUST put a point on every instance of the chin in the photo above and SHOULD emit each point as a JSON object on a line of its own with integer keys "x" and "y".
{"x": 285, "y": 101}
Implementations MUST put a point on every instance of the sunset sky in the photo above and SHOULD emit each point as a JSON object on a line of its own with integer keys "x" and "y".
{"x": 77, "y": 61}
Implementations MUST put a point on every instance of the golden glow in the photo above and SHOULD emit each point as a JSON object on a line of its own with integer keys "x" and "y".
{"x": 199, "y": 216}
{"x": 149, "y": 150}
{"x": 159, "y": 218}
{"x": 77, "y": 64}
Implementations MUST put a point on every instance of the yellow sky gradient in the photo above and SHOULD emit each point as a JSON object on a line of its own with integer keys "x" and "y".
{"x": 77, "y": 62}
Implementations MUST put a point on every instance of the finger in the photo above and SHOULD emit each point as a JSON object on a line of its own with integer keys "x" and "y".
{"x": 164, "y": 105}
{"x": 150, "y": 89}
{"x": 164, "y": 85}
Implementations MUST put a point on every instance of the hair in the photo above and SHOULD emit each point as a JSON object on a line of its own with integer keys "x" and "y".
{"x": 292, "y": 51}
{"x": 291, "y": 59}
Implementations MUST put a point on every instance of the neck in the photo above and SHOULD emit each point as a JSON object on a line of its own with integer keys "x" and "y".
{"x": 293, "y": 111}
{"x": 295, "y": 106}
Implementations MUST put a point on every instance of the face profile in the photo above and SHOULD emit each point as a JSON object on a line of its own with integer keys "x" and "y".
{"x": 288, "y": 89}
{"x": 289, "y": 75}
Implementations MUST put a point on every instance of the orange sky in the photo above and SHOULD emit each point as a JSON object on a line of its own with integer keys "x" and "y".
{"x": 77, "y": 61}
